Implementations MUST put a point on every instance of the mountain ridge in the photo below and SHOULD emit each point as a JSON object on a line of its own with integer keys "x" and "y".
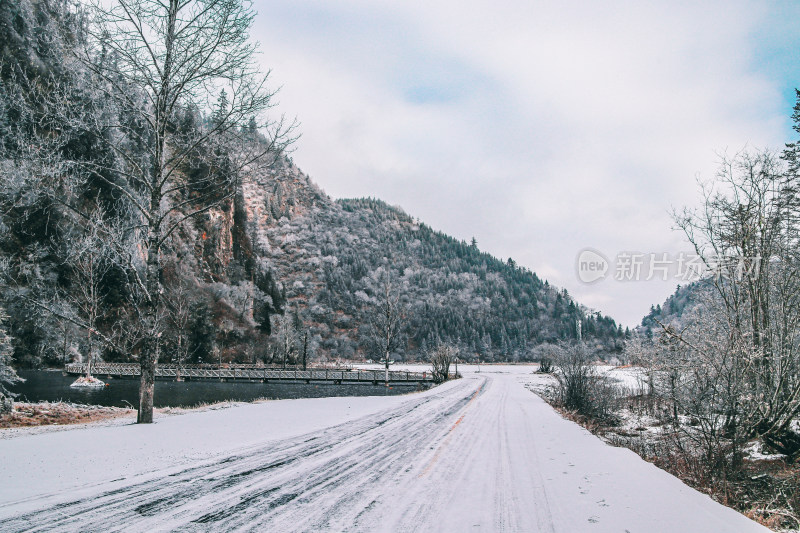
{"x": 327, "y": 251}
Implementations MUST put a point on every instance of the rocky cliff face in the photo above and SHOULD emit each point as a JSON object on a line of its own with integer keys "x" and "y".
{"x": 331, "y": 259}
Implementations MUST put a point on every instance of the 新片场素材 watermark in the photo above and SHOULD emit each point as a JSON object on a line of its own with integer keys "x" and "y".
{"x": 592, "y": 266}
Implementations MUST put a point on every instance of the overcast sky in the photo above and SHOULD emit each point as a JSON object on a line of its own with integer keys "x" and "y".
{"x": 540, "y": 128}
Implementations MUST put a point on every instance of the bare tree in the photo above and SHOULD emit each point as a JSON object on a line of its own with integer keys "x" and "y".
{"x": 88, "y": 259}
{"x": 387, "y": 322}
{"x": 441, "y": 359}
{"x": 697, "y": 368}
{"x": 580, "y": 387}
{"x": 545, "y": 353}
{"x": 88, "y": 300}
{"x": 747, "y": 233}
{"x": 178, "y": 315}
{"x": 287, "y": 338}
{"x": 575, "y": 375}
{"x": 156, "y": 61}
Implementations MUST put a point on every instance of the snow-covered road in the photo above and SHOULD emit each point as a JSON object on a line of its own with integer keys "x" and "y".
{"x": 478, "y": 454}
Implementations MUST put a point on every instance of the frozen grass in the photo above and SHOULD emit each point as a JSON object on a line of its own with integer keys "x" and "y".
{"x": 28, "y": 415}
{"x": 58, "y": 413}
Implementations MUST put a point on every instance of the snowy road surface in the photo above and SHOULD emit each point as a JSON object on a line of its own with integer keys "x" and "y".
{"x": 477, "y": 454}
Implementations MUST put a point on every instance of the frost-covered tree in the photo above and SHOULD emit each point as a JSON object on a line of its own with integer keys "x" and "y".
{"x": 155, "y": 60}
{"x": 441, "y": 359}
{"x": 286, "y": 339}
{"x": 747, "y": 232}
{"x": 89, "y": 260}
{"x": 388, "y": 316}
{"x": 726, "y": 351}
{"x": 7, "y": 374}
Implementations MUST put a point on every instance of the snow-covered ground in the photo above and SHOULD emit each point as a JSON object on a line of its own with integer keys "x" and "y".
{"x": 630, "y": 379}
{"x": 477, "y": 454}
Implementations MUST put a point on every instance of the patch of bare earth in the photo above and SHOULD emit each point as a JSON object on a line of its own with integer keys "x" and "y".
{"x": 46, "y": 416}
{"x": 60, "y": 413}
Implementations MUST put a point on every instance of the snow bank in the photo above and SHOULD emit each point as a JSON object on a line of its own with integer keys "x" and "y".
{"x": 480, "y": 453}
{"x": 50, "y": 462}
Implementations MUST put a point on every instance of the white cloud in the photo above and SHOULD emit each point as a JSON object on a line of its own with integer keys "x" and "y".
{"x": 540, "y": 128}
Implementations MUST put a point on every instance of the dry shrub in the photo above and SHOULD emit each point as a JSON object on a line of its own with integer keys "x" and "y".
{"x": 580, "y": 387}
{"x": 441, "y": 359}
{"x": 45, "y": 414}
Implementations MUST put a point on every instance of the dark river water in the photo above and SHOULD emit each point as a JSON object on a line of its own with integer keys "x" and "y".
{"x": 53, "y": 386}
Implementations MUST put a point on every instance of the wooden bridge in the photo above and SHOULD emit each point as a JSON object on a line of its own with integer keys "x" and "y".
{"x": 252, "y": 373}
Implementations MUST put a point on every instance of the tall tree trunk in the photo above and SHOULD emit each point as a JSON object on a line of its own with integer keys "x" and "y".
{"x": 89, "y": 354}
{"x": 146, "y": 386}
{"x": 150, "y": 344}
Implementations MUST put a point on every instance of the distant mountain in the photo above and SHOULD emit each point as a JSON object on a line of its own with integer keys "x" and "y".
{"x": 331, "y": 257}
{"x": 675, "y": 308}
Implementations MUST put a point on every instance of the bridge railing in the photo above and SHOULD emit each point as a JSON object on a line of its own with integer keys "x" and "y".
{"x": 251, "y": 372}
